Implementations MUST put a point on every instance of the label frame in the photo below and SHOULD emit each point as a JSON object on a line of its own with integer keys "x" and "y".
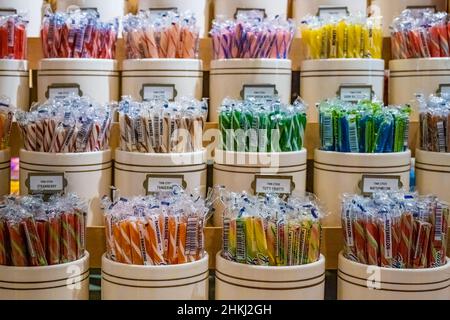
{"x": 332, "y": 8}
{"x": 418, "y": 7}
{"x": 240, "y": 9}
{"x": 89, "y": 9}
{"x": 63, "y": 86}
{"x": 443, "y": 85}
{"x": 7, "y": 11}
{"x": 46, "y": 174}
{"x": 246, "y": 86}
{"x": 380, "y": 177}
{"x": 273, "y": 177}
{"x": 162, "y": 176}
{"x": 161, "y": 11}
{"x": 155, "y": 85}
{"x": 355, "y": 86}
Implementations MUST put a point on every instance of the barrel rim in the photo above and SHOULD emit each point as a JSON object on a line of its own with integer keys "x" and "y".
{"x": 157, "y": 287}
{"x": 155, "y": 280}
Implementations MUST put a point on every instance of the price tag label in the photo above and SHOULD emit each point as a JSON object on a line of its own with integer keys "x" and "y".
{"x": 162, "y": 11}
{"x": 46, "y": 183}
{"x": 62, "y": 91}
{"x": 420, "y": 9}
{"x": 273, "y": 184}
{"x": 260, "y": 12}
{"x": 259, "y": 91}
{"x": 444, "y": 89}
{"x": 158, "y": 92}
{"x": 7, "y": 11}
{"x": 162, "y": 183}
{"x": 91, "y": 10}
{"x": 355, "y": 93}
{"x": 328, "y": 12}
{"x": 372, "y": 183}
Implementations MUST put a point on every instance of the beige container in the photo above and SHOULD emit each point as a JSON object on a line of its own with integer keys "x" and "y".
{"x": 247, "y": 282}
{"x": 240, "y": 78}
{"x": 97, "y": 78}
{"x": 107, "y": 9}
{"x": 324, "y": 8}
{"x": 69, "y": 281}
{"x": 15, "y": 82}
{"x": 174, "y": 282}
{"x": 31, "y": 9}
{"x": 433, "y": 174}
{"x": 410, "y": 78}
{"x": 86, "y": 174}
{"x": 198, "y": 7}
{"x": 362, "y": 282}
{"x": 162, "y": 78}
{"x": 389, "y": 9}
{"x": 349, "y": 79}
{"x": 338, "y": 173}
{"x": 145, "y": 173}
{"x": 5, "y": 172}
{"x": 283, "y": 173}
{"x": 267, "y": 8}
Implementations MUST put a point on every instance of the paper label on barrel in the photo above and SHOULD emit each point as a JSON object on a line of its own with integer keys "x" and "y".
{"x": 7, "y": 11}
{"x": 258, "y": 12}
{"x": 444, "y": 89}
{"x": 273, "y": 184}
{"x": 326, "y": 12}
{"x": 158, "y": 92}
{"x": 265, "y": 92}
{"x": 420, "y": 9}
{"x": 63, "y": 91}
{"x": 372, "y": 184}
{"x": 162, "y": 11}
{"x": 355, "y": 93}
{"x": 163, "y": 183}
{"x": 45, "y": 183}
{"x": 91, "y": 10}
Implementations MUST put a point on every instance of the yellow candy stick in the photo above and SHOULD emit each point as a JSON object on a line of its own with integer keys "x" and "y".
{"x": 261, "y": 241}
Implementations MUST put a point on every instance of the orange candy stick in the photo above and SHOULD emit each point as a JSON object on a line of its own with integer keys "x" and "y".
{"x": 181, "y": 235}
{"x": 125, "y": 241}
{"x": 18, "y": 245}
{"x": 146, "y": 245}
{"x": 173, "y": 227}
{"x": 117, "y": 242}
{"x": 155, "y": 241}
{"x": 137, "y": 251}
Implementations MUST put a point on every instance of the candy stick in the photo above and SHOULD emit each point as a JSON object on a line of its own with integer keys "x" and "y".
{"x": 69, "y": 239}
{"x": 3, "y": 243}
{"x": 35, "y": 251}
{"x": 18, "y": 244}
{"x": 174, "y": 242}
{"x": 137, "y": 250}
{"x": 404, "y": 250}
{"x": 53, "y": 240}
{"x": 125, "y": 241}
{"x": 420, "y": 254}
{"x": 181, "y": 241}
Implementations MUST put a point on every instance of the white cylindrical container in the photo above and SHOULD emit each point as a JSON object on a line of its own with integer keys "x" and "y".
{"x": 87, "y": 174}
{"x": 5, "y": 172}
{"x": 146, "y": 173}
{"x": 282, "y": 173}
{"x": 267, "y": 8}
{"x": 358, "y": 281}
{"x": 433, "y": 174}
{"x": 106, "y": 9}
{"x": 349, "y": 79}
{"x": 201, "y": 9}
{"x": 338, "y": 173}
{"x": 409, "y": 78}
{"x": 97, "y": 78}
{"x": 187, "y": 281}
{"x": 32, "y": 10}
{"x": 248, "y": 282}
{"x": 68, "y": 281}
{"x": 148, "y": 79}
{"x": 391, "y": 9}
{"x": 15, "y": 82}
{"x": 244, "y": 78}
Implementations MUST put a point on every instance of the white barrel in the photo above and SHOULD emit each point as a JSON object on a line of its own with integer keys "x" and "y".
{"x": 148, "y": 79}
{"x": 358, "y": 281}
{"x": 68, "y": 281}
{"x": 337, "y": 173}
{"x": 349, "y": 79}
{"x": 97, "y": 78}
{"x": 282, "y": 173}
{"x": 86, "y": 174}
{"x": 389, "y": 9}
{"x": 247, "y": 282}
{"x": 187, "y": 281}
{"x": 106, "y": 9}
{"x": 267, "y": 8}
{"x": 243, "y": 78}
{"x": 433, "y": 174}
{"x": 31, "y": 9}
{"x": 201, "y": 9}
{"x": 15, "y": 82}
{"x": 5, "y": 172}
{"x": 323, "y": 8}
{"x": 146, "y": 173}
{"x": 409, "y": 78}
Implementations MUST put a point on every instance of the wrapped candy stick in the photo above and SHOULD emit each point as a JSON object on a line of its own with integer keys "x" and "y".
{"x": 54, "y": 243}
{"x": 3, "y": 243}
{"x": 69, "y": 242}
{"x": 18, "y": 244}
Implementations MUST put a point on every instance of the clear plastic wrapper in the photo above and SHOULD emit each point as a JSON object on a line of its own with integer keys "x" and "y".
{"x": 435, "y": 123}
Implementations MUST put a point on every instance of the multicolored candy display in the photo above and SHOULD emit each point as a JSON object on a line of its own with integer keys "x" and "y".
{"x": 13, "y": 37}
{"x": 435, "y": 123}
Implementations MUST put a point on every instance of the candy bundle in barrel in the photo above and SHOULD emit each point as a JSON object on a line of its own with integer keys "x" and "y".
{"x": 269, "y": 231}
{"x": 164, "y": 229}
{"x": 395, "y": 230}
{"x": 161, "y": 36}
{"x": 6, "y": 119}
{"x": 78, "y": 34}
{"x": 13, "y": 37}
{"x": 73, "y": 124}
{"x": 36, "y": 233}
{"x": 159, "y": 126}
{"x": 435, "y": 123}
{"x": 420, "y": 34}
{"x": 365, "y": 127}
{"x": 249, "y": 37}
{"x": 261, "y": 126}
{"x": 347, "y": 37}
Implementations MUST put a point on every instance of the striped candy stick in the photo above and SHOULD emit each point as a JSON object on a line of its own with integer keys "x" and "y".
{"x": 36, "y": 254}
{"x": 80, "y": 232}
{"x": 372, "y": 234}
{"x": 406, "y": 232}
{"x": 420, "y": 250}
{"x": 40, "y": 132}
{"x": 173, "y": 241}
{"x": 69, "y": 238}
{"x": 42, "y": 230}
{"x": 18, "y": 244}
{"x": 137, "y": 252}
{"x": 117, "y": 242}
{"x": 385, "y": 227}
{"x": 181, "y": 241}
{"x": 359, "y": 226}
{"x": 125, "y": 241}
{"x": 271, "y": 236}
{"x": 54, "y": 240}
{"x": 153, "y": 237}
{"x": 146, "y": 245}
{"x": 3, "y": 243}
{"x": 260, "y": 241}
{"x": 110, "y": 248}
